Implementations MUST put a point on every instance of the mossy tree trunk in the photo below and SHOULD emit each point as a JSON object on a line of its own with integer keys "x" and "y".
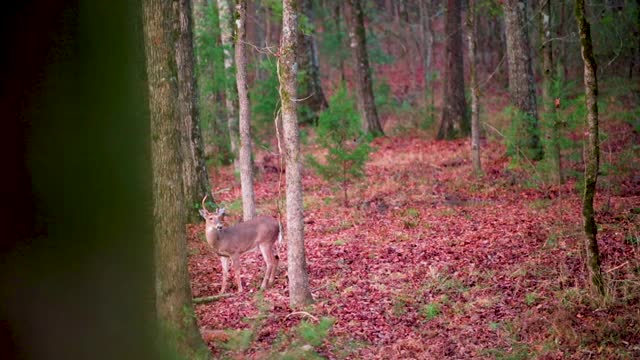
{"x": 592, "y": 149}
{"x": 521, "y": 83}
{"x": 454, "y": 120}
{"x": 231, "y": 93}
{"x": 245, "y": 161}
{"x": 194, "y": 171}
{"x": 364, "y": 83}
{"x": 173, "y": 291}
{"x": 299, "y": 293}
{"x": 473, "y": 79}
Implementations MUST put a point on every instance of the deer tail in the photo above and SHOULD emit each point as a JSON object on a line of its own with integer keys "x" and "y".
{"x": 279, "y": 246}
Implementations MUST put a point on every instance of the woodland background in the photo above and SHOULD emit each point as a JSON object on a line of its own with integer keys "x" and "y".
{"x": 414, "y": 247}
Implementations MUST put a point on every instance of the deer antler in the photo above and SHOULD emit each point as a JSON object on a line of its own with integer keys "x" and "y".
{"x": 203, "y": 205}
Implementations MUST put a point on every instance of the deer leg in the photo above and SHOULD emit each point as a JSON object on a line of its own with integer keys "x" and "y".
{"x": 235, "y": 261}
{"x": 269, "y": 273}
{"x": 225, "y": 273}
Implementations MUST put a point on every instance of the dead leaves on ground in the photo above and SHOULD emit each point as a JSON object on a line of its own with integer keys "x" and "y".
{"x": 432, "y": 262}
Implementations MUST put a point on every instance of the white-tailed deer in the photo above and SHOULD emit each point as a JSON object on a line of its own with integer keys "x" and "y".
{"x": 231, "y": 242}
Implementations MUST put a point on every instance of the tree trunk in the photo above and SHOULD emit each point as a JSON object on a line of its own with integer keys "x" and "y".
{"x": 427, "y": 31}
{"x": 194, "y": 171}
{"x": 473, "y": 78}
{"x": 454, "y": 120}
{"x": 246, "y": 164}
{"x": 336, "y": 11}
{"x": 173, "y": 291}
{"x": 299, "y": 293}
{"x": 231, "y": 99}
{"x": 311, "y": 88}
{"x": 521, "y": 84}
{"x": 592, "y": 149}
{"x": 364, "y": 86}
{"x": 553, "y": 144}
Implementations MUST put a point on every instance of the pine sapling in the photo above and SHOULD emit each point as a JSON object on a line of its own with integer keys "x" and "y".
{"x": 340, "y": 133}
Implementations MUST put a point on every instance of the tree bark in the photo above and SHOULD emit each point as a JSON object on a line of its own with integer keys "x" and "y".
{"x": 454, "y": 120}
{"x": 299, "y": 293}
{"x": 311, "y": 94}
{"x": 245, "y": 162}
{"x": 521, "y": 84}
{"x": 473, "y": 79}
{"x": 173, "y": 291}
{"x": 231, "y": 98}
{"x": 364, "y": 86}
{"x": 553, "y": 144}
{"x": 592, "y": 149}
{"x": 427, "y": 31}
{"x": 194, "y": 171}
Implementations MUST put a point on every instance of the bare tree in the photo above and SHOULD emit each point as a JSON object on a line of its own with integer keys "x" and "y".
{"x": 231, "y": 101}
{"x": 246, "y": 164}
{"x": 311, "y": 94}
{"x": 173, "y": 291}
{"x": 591, "y": 149}
{"x": 552, "y": 148}
{"x": 194, "y": 172}
{"x": 427, "y": 33}
{"x": 454, "y": 120}
{"x": 299, "y": 293}
{"x": 364, "y": 86}
{"x": 473, "y": 78}
{"x": 521, "y": 84}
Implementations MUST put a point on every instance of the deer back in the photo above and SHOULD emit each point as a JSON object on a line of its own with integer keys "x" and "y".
{"x": 246, "y": 236}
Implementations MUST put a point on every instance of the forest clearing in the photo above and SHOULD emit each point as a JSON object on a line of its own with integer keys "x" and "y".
{"x": 430, "y": 262}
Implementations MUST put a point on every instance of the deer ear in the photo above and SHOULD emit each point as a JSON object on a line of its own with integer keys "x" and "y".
{"x": 203, "y": 213}
{"x": 221, "y": 211}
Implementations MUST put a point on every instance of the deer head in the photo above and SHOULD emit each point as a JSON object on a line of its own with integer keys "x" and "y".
{"x": 213, "y": 220}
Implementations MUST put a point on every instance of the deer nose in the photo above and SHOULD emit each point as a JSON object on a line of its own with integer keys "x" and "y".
{"x": 219, "y": 226}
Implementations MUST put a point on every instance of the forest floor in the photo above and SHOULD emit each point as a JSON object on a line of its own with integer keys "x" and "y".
{"x": 431, "y": 262}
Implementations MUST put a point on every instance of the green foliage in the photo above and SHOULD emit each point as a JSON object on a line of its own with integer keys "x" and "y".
{"x": 275, "y": 8}
{"x": 430, "y": 311}
{"x": 210, "y": 76}
{"x": 520, "y": 136}
{"x": 615, "y": 35}
{"x": 382, "y": 96}
{"x": 333, "y": 38}
{"x": 339, "y": 132}
{"x": 315, "y": 334}
{"x": 264, "y": 102}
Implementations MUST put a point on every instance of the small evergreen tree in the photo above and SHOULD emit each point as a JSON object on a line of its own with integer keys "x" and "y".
{"x": 340, "y": 133}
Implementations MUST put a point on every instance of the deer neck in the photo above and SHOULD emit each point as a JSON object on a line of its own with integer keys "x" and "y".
{"x": 213, "y": 236}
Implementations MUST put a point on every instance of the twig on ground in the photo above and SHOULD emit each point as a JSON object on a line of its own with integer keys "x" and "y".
{"x": 617, "y": 267}
{"x": 302, "y": 313}
{"x": 207, "y": 299}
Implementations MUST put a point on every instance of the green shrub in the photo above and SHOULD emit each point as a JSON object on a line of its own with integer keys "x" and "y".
{"x": 340, "y": 133}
